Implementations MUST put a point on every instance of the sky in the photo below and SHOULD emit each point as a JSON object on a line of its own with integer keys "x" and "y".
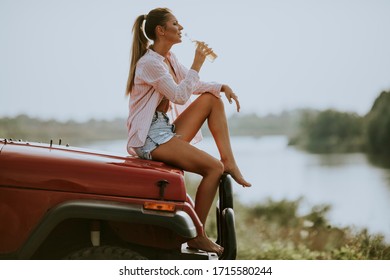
{"x": 69, "y": 60}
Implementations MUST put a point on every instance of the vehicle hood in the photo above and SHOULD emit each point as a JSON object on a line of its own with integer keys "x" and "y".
{"x": 77, "y": 170}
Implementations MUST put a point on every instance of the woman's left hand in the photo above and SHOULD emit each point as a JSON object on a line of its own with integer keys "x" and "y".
{"x": 230, "y": 95}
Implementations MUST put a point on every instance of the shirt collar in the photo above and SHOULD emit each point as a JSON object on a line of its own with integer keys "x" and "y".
{"x": 157, "y": 55}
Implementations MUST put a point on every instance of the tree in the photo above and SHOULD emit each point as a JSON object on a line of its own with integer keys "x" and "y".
{"x": 378, "y": 125}
{"x": 331, "y": 131}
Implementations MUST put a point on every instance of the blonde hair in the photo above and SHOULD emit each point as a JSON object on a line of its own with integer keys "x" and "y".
{"x": 143, "y": 30}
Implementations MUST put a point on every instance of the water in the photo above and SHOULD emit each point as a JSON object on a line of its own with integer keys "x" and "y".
{"x": 357, "y": 191}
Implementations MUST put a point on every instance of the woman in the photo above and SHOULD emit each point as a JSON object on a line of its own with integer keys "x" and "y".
{"x": 159, "y": 84}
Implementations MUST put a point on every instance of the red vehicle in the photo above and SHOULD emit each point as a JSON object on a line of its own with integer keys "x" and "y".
{"x": 61, "y": 202}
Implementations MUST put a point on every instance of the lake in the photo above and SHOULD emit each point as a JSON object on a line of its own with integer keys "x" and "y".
{"x": 357, "y": 191}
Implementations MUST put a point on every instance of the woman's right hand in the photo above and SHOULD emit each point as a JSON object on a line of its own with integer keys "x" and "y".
{"x": 201, "y": 51}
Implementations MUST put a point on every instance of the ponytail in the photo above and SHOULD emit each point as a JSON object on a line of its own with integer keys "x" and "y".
{"x": 138, "y": 49}
{"x": 143, "y": 31}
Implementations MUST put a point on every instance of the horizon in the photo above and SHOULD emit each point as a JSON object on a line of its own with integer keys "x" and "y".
{"x": 233, "y": 115}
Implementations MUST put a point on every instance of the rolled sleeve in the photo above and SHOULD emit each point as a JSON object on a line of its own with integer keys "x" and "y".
{"x": 212, "y": 87}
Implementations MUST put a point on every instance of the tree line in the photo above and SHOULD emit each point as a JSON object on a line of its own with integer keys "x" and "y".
{"x": 26, "y": 128}
{"x": 32, "y": 129}
{"x": 334, "y": 131}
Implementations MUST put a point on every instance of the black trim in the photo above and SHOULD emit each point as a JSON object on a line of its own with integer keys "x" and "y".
{"x": 228, "y": 242}
{"x": 179, "y": 222}
{"x": 225, "y": 220}
{"x": 225, "y": 192}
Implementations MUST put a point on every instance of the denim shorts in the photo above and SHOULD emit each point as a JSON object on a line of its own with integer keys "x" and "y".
{"x": 160, "y": 132}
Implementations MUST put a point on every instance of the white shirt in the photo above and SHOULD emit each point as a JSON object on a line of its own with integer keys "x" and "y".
{"x": 152, "y": 82}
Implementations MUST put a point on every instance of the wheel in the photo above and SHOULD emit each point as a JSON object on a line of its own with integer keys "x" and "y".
{"x": 105, "y": 253}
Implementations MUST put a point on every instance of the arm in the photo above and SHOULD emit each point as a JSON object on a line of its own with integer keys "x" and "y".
{"x": 214, "y": 88}
{"x": 201, "y": 87}
{"x": 158, "y": 76}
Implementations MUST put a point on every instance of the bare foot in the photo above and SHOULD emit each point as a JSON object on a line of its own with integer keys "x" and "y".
{"x": 235, "y": 172}
{"x": 202, "y": 242}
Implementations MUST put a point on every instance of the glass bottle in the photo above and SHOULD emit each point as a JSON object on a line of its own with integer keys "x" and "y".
{"x": 211, "y": 57}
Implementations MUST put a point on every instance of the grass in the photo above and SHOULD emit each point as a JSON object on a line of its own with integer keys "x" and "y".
{"x": 274, "y": 230}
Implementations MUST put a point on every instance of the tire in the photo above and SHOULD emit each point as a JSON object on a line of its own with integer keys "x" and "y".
{"x": 105, "y": 253}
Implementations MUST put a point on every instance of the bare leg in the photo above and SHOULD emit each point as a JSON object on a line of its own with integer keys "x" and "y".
{"x": 194, "y": 160}
{"x": 209, "y": 107}
{"x": 205, "y": 107}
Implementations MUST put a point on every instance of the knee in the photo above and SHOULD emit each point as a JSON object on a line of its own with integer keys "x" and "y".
{"x": 211, "y": 99}
{"x": 213, "y": 168}
{"x": 218, "y": 168}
